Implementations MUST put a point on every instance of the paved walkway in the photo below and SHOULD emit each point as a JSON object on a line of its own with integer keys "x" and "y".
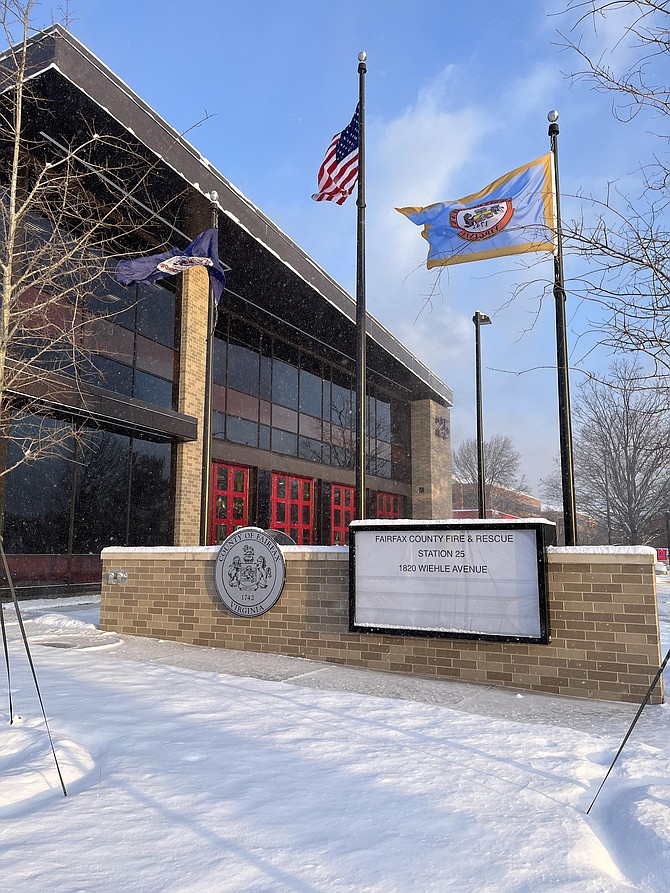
{"x": 78, "y": 630}
{"x": 585, "y": 715}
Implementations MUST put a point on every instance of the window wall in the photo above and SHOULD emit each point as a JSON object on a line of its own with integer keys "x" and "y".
{"x": 133, "y": 348}
{"x": 127, "y": 336}
{"x": 269, "y": 394}
{"x": 95, "y": 489}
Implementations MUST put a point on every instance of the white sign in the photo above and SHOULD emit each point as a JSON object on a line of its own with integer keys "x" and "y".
{"x": 479, "y": 581}
{"x": 250, "y": 572}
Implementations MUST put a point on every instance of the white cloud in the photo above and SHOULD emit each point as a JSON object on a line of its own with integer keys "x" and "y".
{"x": 532, "y": 92}
{"x": 417, "y": 157}
{"x": 417, "y": 153}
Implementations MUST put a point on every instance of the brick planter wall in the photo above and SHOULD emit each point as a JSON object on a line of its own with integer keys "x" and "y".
{"x": 602, "y": 616}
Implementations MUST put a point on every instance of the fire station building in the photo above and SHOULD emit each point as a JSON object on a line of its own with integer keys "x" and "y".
{"x": 284, "y": 375}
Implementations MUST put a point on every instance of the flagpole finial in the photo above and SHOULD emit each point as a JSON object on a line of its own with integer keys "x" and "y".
{"x": 362, "y": 56}
{"x": 214, "y": 196}
{"x": 552, "y": 118}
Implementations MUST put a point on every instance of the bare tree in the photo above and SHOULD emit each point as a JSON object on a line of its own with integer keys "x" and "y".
{"x": 501, "y": 462}
{"x": 65, "y": 212}
{"x": 624, "y": 232}
{"x": 501, "y": 471}
{"x": 622, "y": 455}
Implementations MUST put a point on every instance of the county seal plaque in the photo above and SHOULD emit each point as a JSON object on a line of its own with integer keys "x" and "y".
{"x": 250, "y": 572}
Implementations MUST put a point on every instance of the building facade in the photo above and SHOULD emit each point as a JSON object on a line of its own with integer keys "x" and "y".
{"x": 501, "y": 502}
{"x": 128, "y": 469}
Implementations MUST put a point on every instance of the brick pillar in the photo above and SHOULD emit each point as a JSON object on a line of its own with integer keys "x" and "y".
{"x": 431, "y": 460}
{"x": 192, "y": 361}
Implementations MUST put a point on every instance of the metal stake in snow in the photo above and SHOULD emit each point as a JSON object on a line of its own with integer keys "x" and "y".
{"x": 15, "y": 601}
{"x": 632, "y": 726}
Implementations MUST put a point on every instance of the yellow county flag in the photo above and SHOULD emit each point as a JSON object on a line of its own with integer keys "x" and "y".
{"x": 511, "y": 216}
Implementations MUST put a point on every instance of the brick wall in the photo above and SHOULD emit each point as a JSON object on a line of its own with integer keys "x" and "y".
{"x": 602, "y": 615}
{"x": 192, "y": 363}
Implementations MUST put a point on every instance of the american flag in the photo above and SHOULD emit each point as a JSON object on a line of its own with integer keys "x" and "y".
{"x": 339, "y": 171}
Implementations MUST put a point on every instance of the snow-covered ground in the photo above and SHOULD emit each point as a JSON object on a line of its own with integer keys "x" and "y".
{"x": 184, "y": 779}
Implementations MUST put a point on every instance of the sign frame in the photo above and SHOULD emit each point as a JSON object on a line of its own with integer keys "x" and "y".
{"x": 545, "y": 535}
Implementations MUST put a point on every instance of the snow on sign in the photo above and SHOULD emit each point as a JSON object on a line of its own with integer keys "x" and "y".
{"x": 476, "y": 580}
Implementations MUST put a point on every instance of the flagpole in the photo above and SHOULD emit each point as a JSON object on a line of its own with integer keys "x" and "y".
{"x": 207, "y": 417}
{"x": 564, "y": 417}
{"x": 361, "y": 365}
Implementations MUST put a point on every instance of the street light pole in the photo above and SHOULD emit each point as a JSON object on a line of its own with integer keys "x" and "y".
{"x": 480, "y": 319}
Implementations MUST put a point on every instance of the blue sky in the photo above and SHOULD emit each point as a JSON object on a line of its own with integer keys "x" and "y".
{"x": 456, "y": 95}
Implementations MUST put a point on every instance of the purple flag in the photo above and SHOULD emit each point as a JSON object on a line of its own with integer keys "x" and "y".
{"x": 203, "y": 251}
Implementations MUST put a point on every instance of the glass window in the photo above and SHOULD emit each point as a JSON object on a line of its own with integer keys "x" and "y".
{"x": 310, "y": 393}
{"x": 383, "y": 449}
{"x": 284, "y": 384}
{"x": 243, "y": 369}
{"x": 218, "y": 425}
{"x": 151, "y": 494}
{"x": 107, "y": 297}
{"x": 156, "y": 313}
{"x": 43, "y": 354}
{"x": 105, "y": 373}
{"x": 238, "y": 508}
{"x": 122, "y": 327}
{"x": 379, "y": 419}
{"x": 115, "y": 342}
{"x": 325, "y": 410}
{"x": 242, "y": 405}
{"x": 266, "y": 376}
{"x": 284, "y": 442}
{"x": 102, "y": 491}
{"x": 383, "y": 468}
{"x": 286, "y": 419}
{"x": 243, "y": 357}
{"x": 383, "y": 418}
{"x": 37, "y": 494}
{"x": 342, "y": 457}
{"x": 241, "y": 431}
{"x": 152, "y": 357}
{"x": 308, "y": 448}
{"x": 342, "y": 413}
{"x": 153, "y": 390}
{"x": 219, "y": 353}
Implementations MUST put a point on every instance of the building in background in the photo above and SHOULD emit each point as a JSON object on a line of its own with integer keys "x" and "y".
{"x": 130, "y": 467}
{"x": 501, "y": 502}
